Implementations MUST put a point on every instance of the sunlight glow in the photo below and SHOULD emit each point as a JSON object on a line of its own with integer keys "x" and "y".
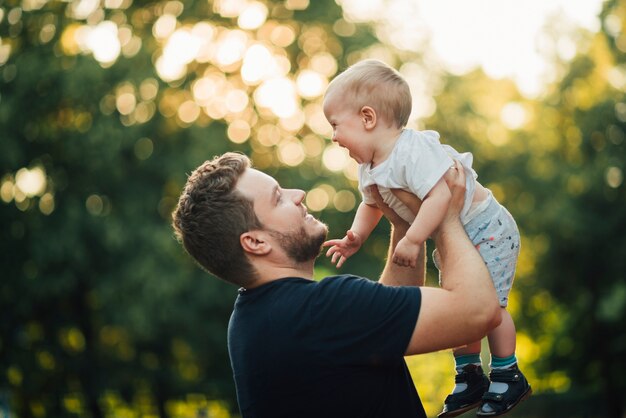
{"x": 257, "y": 64}
{"x": 102, "y": 40}
{"x": 316, "y": 120}
{"x": 279, "y": 95}
{"x": 204, "y": 89}
{"x": 291, "y": 152}
{"x": 253, "y": 16}
{"x": 506, "y": 38}
{"x": 231, "y": 47}
{"x": 324, "y": 63}
{"x": 238, "y": 131}
{"x": 335, "y": 158}
{"x": 294, "y": 122}
{"x": 5, "y": 52}
{"x": 513, "y": 115}
{"x": 236, "y": 100}
{"x": 229, "y": 8}
{"x": 164, "y": 26}
{"x": 614, "y": 177}
{"x": 282, "y": 36}
{"x": 317, "y": 199}
{"x": 344, "y": 201}
{"x": 205, "y": 33}
{"x": 180, "y": 49}
{"x": 7, "y": 190}
{"x": 31, "y": 182}
{"x": 311, "y": 84}
{"x": 81, "y": 9}
{"x": 188, "y": 111}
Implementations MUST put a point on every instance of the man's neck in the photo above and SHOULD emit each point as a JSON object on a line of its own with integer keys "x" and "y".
{"x": 268, "y": 274}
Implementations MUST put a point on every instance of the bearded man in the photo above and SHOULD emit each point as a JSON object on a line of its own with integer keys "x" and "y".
{"x": 335, "y": 347}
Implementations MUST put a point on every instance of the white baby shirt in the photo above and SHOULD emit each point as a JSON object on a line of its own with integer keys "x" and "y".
{"x": 417, "y": 162}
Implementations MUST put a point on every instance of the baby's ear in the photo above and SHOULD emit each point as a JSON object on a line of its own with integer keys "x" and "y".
{"x": 255, "y": 242}
{"x": 368, "y": 115}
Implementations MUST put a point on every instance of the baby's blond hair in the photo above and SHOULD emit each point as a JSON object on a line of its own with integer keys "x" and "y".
{"x": 373, "y": 83}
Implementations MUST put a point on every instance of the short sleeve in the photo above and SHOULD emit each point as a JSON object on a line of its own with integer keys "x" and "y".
{"x": 364, "y": 322}
{"x": 427, "y": 161}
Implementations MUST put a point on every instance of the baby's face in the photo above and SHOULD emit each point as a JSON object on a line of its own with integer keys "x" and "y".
{"x": 348, "y": 127}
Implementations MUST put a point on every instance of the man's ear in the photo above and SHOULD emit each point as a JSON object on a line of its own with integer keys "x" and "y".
{"x": 255, "y": 242}
{"x": 368, "y": 115}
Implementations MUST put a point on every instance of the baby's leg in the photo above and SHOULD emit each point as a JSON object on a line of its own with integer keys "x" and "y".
{"x": 508, "y": 385}
{"x": 466, "y": 350}
{"x": 502, "y": 338}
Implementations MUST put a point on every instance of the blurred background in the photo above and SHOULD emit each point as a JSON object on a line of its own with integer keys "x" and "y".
{"x": 107, "y": 105}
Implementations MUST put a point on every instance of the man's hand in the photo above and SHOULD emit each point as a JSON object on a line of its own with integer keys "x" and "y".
{"x": 406, "y": 253}
{"x": 342, "y": 249}
{"x": 455, "y": 179}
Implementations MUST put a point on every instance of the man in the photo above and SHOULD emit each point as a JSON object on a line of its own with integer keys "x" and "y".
{"x": 333, "y": 348}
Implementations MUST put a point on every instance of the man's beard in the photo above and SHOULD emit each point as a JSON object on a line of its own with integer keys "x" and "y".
{"x": 299, "y": 245}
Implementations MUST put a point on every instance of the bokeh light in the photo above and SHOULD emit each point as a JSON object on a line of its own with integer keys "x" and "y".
{"x": 513, "y": 115}
{"x": 102, "y": 40}
{"x": 31, "y": 182}
{"x": 253, "y": 16}
{"x": 317, "y": 199}
{"x": 335, "y": 158}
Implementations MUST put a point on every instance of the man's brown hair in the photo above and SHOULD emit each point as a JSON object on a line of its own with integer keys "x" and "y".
{"x": 211, "y": 215}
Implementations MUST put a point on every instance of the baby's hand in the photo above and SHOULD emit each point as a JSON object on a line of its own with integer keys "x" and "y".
{"x": 343, "y": 248}
{"x": 406, "y": 253}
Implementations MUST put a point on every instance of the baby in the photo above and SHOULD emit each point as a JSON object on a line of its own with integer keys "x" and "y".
{"x": 368, "y": 106}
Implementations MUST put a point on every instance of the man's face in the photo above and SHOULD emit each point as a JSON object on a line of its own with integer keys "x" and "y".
{"x": 282, "y": 213}
{"x": 348, "y": 128}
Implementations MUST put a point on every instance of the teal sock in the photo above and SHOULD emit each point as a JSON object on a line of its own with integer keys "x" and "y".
{"x": 462, "y": 361}
{"x": 503, "y": 362}
{"x": 465, "y": 359}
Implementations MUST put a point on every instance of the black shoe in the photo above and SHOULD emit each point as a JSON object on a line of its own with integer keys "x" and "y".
{"x": 495, "y": 404}
{"x": 477, "y": 384}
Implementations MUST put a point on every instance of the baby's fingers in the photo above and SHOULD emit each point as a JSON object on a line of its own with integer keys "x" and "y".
{"x": 341, "y": 261}
{"x": 332, "y": 250}
{"x": 331, "y": 242}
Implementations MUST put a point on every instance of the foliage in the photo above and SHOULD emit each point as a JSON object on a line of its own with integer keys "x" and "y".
{"x": 104, "y": 108}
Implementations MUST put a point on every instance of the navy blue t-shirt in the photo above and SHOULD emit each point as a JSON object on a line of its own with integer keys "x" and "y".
{"x": 334, "y": 348}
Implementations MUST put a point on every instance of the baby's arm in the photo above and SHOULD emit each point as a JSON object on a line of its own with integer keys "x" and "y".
{"x": 430, "y": 215}
{"x": 365, "y": 220}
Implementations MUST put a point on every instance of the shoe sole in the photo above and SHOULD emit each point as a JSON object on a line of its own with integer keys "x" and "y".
{"x": 457, "y": 412}
{"x": 525, "y": 396}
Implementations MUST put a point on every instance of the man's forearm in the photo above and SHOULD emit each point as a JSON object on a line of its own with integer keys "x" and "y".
{"x": 464, "y": 271}
{"x": 395, "y": 275}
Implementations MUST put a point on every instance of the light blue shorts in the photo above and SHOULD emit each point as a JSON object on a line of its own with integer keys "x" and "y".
{"x": 496, "y": 237}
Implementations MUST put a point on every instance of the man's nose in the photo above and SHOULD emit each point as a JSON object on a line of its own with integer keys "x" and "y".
{"x": 298, "y": 196}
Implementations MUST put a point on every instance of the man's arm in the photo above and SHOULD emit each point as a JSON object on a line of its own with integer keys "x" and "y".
{"x": 466, "y": 307}
{"x": 393, "y": 274}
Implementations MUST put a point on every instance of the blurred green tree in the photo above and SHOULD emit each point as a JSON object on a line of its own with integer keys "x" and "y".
{"x": 104, "y": 106}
